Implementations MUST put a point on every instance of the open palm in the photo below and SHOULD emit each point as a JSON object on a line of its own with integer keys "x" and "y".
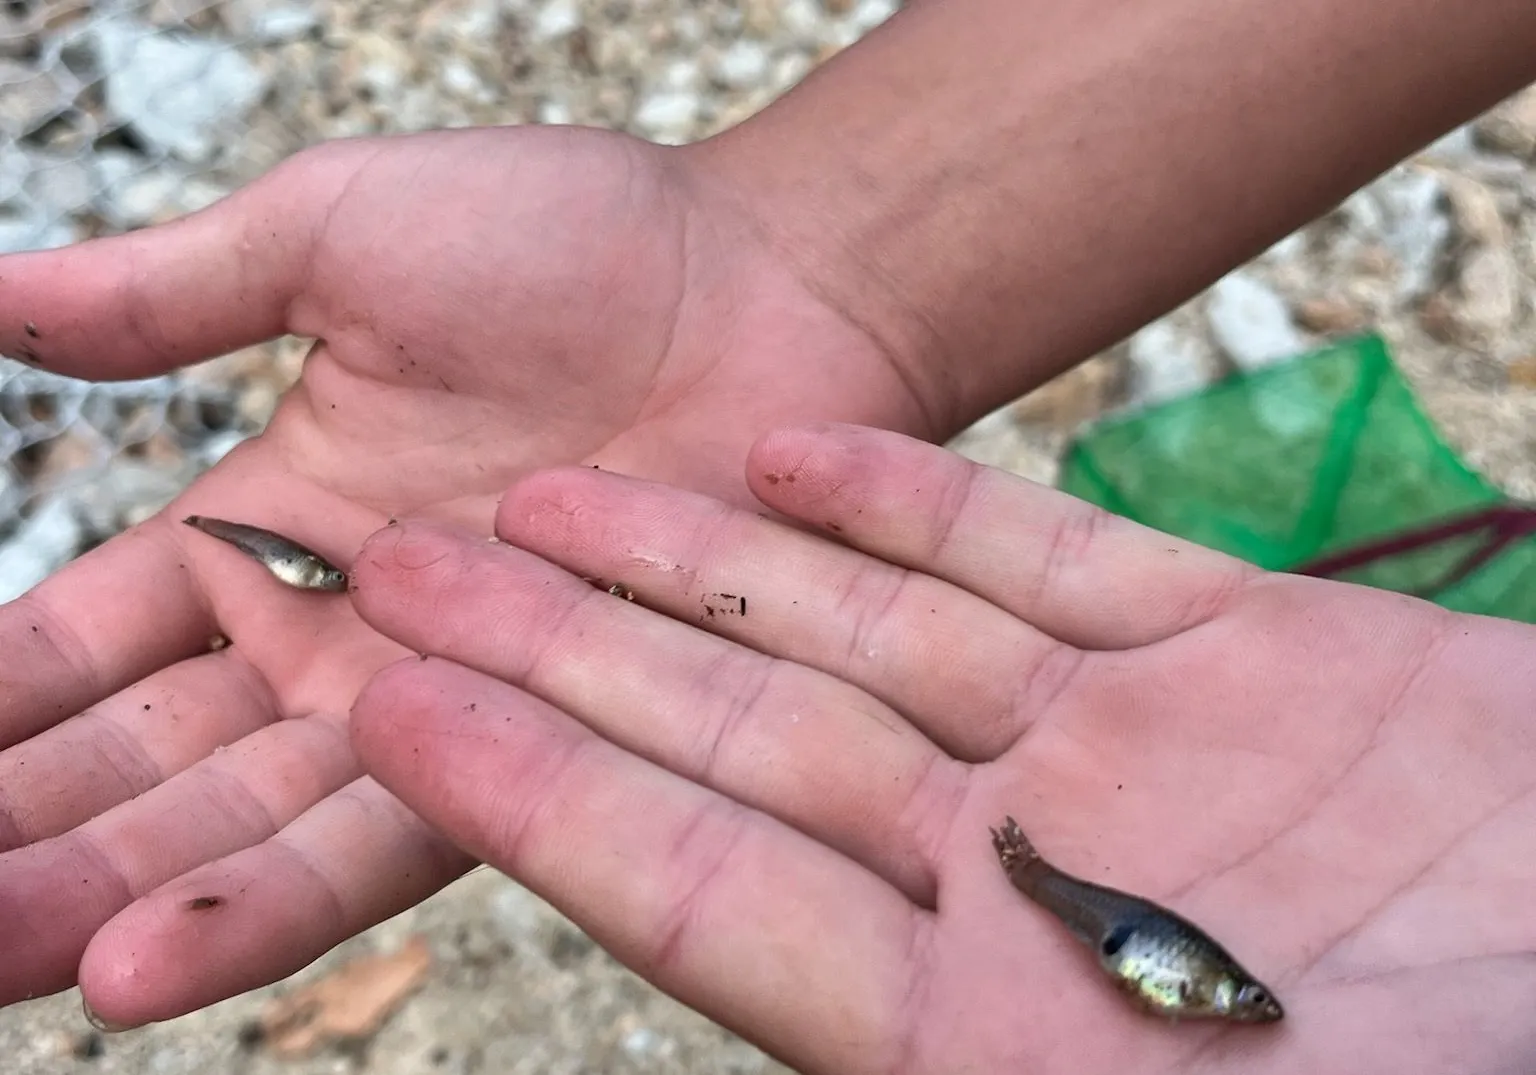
{"x": 774, "y": 798}
{"x": 485, "y": 302}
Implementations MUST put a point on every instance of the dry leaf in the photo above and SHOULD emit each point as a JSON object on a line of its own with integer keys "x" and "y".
{"x": 1329, "y": 316}
{"x": 1522, "y": 372}
{"x": 349, "y": 1003}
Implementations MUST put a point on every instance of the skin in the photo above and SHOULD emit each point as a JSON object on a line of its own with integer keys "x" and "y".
{"x": 782, "y": 818}
{"x": 539, "y": 296}
{"x": 600, "y": 338}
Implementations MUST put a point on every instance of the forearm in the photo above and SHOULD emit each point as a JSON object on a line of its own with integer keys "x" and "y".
{"x": 996, "y": 189}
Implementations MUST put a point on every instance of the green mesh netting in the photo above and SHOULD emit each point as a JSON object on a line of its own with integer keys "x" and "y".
{"x": 1321, "y": 456}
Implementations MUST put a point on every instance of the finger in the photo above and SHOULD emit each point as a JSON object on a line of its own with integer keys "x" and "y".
{"x": 968, "y": 674}
{"x": 764, "y": 930}
{"x": 356, "y": 858}
{"x": 55, "y": 894}
{"x": 813, "y": 751}
{"x": 124, "y": 610}
{"x": 156, "y": 298}
{"x": 127, "y": 744}
{"x": 1087, "y": 577}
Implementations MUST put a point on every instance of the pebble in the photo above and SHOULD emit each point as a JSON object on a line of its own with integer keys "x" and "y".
{"x": 1166, "y": 364}
{"x": 667, "y": 114}
{"x": 556, "y": 19}
{"x": 1251, "y": 323}
{"x": 871, "y": 13}
{"x": 179, "y": 93}
{"x": 1413, "y": 225}
{"x": 743, "y": 64}
{"x": 1329, "y": 316}
{"x": 1488, "y": 292}
{"x": 1511, "y": 127}
{"x": 279, "y": 24}
{"x": 41, "y": 545}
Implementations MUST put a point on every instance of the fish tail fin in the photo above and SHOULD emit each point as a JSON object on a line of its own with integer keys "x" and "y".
{"x": 1012, "y": 846}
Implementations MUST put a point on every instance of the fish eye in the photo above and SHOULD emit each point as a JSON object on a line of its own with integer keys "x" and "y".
{"x": 1256, "y": 997}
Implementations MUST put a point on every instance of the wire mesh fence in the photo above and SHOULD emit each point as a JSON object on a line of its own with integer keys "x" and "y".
{"x": 114, "y": 116}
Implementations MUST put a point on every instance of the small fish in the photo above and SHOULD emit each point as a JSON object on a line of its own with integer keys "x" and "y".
{"x": 288, "y": 560}
{"x": 1167, "y": 964}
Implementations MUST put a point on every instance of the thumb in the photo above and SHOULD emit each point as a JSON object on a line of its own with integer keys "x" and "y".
{"x": 146, "y": 302}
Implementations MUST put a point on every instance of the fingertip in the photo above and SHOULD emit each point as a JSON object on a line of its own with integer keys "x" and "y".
{"x": 377, "y": 733}
{"x": 404, "y": 557}
{"x": 555, "y": 497}
{"x": 791, "y": 468}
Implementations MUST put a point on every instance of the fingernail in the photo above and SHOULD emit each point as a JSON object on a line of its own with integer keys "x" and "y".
{"x": 101, "y": 1024}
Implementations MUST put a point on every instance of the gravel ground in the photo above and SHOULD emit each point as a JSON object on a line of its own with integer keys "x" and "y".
{"x": 111, "y": 118}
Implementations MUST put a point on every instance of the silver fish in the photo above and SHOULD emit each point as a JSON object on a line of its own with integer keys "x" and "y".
{"x": 1167, "y": 965}
{"x": 288, "y": 560}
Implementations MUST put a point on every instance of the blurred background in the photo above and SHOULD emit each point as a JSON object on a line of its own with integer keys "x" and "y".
{"x": 115, "y": 115}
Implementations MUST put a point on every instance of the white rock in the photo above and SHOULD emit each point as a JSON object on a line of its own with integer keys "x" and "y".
{"x": 1251, "y": 323}
{"x": 789, "y": 70}
{"x": 556, "y": 19}
{"x": 555, "y": 111}
{"x": 278, "y": 24}
{"x": 681, "y": 75}
{"x": 459, "y": 76}
{"x": 175, "y": 91}
{"x": 522, "y": 916}
{"x": 841, "y": 35}
{"x": 871, "y": 13}
{"x": 641, "y": 1042}
{"x": 1453, "y": 146}
{"x": 40, "y": 546}
{"x": 668, "y": 113}
{"x": 115, "y": 167}
{"x": 219, "y": 445}
{"x": 1413, "y": 226}
{"x": 140, "y": 198}
{"x": 1287, "y": 249}
{"x": 1166, "y": 364}
{"x": 743, "y": 64}
{"x": 802, "y": 18}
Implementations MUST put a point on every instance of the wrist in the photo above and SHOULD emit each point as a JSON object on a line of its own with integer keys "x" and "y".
{"x": 993, "y": 191}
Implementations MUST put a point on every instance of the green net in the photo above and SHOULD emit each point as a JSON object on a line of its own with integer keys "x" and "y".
{"x": 1324, "y": 465}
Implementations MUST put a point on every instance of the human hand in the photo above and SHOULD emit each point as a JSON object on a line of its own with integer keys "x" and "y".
{"x": 486, "y": 301}
{"x": 778, "y": 811}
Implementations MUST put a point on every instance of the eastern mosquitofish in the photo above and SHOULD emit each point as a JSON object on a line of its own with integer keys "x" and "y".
{"x": 288, "y": 560}
{"x": 1166, "y": 964}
